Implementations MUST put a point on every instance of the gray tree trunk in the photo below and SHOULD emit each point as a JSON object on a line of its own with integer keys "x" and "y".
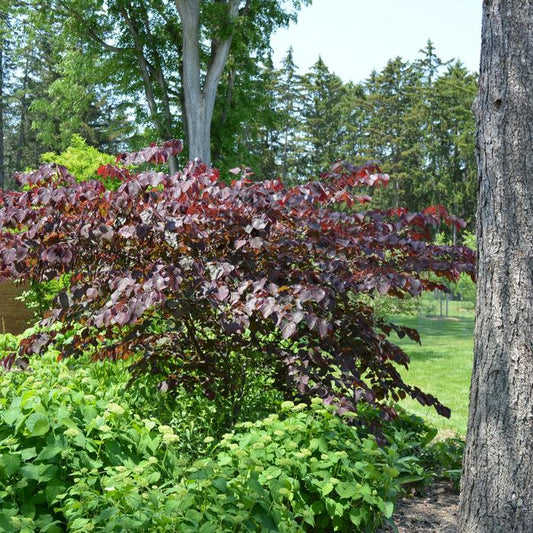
{"x": 497, "y": 483}
{"x": 2, "y": 176}
{"x": 199, "y": 97}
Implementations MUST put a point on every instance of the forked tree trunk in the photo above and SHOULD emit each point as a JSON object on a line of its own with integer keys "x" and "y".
{"x": 497, "y": 483}
{"x": 200, "y": 91}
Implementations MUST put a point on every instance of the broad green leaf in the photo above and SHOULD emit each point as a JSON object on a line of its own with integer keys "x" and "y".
{"x": 51, "y": 450}
{"x": 105, "y": 515}
{"x": 410, "y": 479}
{"x": 171, "y": 506}
{"x": 47, "y": 472}
{"x": 318, "y": 443}
{"x": 326, "y": 488}
{"x": 339, "y": 509}
{"x": 89, "y": 413}
{"x": 79, "y": 524}
{"x": 29, "y": 472}
{"x": 317, "y": 507}
{"x": 346, "y": 490}
{"x": 28, "y": 453}
{"x": 388, "y": 509}
{"x": 308, "y": 516}
{"x": 272, "y": 472}
{"x": 47, "y": 524}
{"x": 12, "y": 415}
{"x": 254, "y": 484}
{"x": 153, "y": 477}
{"x": 10, "y": 462}
{"x": 267, "y": 522}
{"x": 53, "y": 528}
{"x": 356, "y": 516}
{"x": 37, "y": 424}
{"x": 53, "y": 490}
{"x": 193, "y": 515}
{"x": 220, "y": 484}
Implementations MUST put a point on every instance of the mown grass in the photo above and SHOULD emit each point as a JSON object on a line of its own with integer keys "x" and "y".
{"x": 442, "y": 365}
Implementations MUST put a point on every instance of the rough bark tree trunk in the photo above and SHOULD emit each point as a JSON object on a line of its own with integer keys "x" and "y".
{"x": 497, "y": 483}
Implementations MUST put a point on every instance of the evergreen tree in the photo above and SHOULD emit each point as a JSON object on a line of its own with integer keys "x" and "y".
{"x": 324, "y": 123}
{"x": 452, "y": 143}
{"x": 53, "y": 89}
{"x": 289, "y": 106}
{"x": 393, "y": 128}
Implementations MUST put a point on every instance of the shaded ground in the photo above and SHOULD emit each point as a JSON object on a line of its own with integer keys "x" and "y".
{"x": 436, "y": 511}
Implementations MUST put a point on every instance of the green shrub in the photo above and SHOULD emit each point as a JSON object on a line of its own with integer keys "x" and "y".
{"x": 80, "y": 451}
{"x": 194, "y": 417}
{"x": 57, "y": 421}
{"x": 386, "y": 306}
{"x": 444, "y": 460}
{"x": 439, "y": 459}
{"x": 301, "y": 470}
{"x": 40, "y": 295}
{"x": 80, "y": 159}
{"x": 8, "y": 342}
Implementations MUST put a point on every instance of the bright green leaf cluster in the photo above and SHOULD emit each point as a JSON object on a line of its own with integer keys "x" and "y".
{"x": 81, "y": 159}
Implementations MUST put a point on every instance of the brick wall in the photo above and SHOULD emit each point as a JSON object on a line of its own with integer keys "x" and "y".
{"x": 14, "y": 315}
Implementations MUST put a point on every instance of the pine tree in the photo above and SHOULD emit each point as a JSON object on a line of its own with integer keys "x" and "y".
{"x": 393, "y": 128}
{"x": 324, "y": 123}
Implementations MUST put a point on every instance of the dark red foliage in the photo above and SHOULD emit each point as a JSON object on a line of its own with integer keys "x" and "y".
{"x": 202, "y": 282}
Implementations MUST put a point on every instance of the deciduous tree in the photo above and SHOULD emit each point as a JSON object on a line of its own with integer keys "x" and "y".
{"x": 174, "y": 53}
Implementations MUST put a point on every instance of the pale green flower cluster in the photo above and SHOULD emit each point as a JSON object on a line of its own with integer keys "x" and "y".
{"x": 167, "y": 434}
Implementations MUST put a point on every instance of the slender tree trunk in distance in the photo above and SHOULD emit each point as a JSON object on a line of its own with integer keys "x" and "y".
{"x": 2, "y": 176}
{"x": 24, "y": 104}
{"x": 497, "y": 482}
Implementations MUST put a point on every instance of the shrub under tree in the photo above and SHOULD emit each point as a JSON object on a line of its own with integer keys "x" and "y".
{"x": 205, "y": 283}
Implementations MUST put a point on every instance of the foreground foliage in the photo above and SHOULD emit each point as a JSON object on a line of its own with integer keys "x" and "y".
{"x": 205, "y": 283}
{"x": 79, "y": 452}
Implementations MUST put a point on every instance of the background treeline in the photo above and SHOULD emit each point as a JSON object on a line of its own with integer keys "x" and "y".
{"x": 413, "y": 116}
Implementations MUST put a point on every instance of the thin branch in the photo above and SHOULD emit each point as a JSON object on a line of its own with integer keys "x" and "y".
{"x": 216, "y": 67}
{"x": 94, "y": 35}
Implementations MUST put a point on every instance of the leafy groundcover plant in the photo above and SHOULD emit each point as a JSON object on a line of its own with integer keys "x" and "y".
{"x": 76, "y": 455}
{"x": 58, "y": 424}
{"x": 206, "y": 283}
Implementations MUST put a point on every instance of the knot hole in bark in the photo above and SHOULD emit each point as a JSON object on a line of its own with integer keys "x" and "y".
{"x": 497, "y": 103}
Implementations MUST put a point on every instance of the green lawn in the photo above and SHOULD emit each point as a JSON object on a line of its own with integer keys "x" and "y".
{"x": 441, "y": 366}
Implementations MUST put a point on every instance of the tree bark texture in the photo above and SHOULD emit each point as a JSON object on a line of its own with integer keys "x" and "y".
{"x": 497, "y": 483}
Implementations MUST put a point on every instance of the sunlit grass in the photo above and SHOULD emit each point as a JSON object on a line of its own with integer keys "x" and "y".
{"x": 441, "y": 366}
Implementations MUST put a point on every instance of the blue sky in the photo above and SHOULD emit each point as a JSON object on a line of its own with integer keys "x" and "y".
{"x": 355, "y": 36}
